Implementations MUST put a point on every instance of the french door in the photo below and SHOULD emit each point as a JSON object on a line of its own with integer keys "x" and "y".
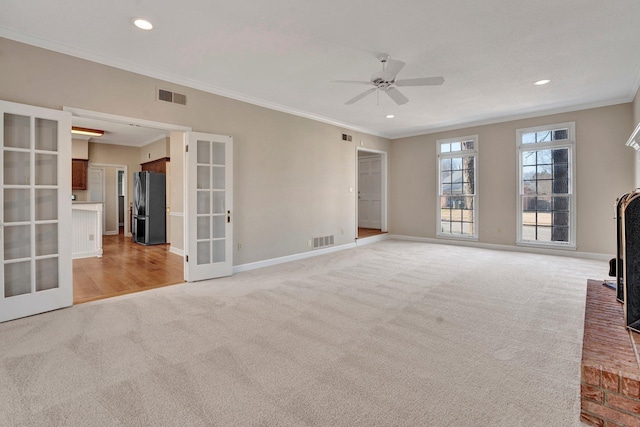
{"x": 209, "y": 225}
{"x": 35, "y": 220}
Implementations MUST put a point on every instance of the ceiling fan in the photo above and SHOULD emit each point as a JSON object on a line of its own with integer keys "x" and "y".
{"x": 386, "y": 81}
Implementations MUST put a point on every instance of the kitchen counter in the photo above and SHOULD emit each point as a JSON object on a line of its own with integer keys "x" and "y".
{"x": 87, "y": 229}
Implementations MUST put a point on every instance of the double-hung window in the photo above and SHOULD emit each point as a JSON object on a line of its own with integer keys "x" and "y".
{"x": 457, "y": 187}
{"x": 546, "y": 186}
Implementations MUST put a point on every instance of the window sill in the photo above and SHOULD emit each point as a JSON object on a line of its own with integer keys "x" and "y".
{"x": 457, "y": 237}
{"x": 566, "y": 247}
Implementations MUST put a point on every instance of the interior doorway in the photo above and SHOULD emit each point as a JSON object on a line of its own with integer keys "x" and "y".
{"x": 125, "y": 266}
{"x": 371, "y": 204}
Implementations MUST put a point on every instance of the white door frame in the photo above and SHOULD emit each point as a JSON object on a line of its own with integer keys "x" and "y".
{"x": 122, "y": 169}
{"x": 383, "y": 195}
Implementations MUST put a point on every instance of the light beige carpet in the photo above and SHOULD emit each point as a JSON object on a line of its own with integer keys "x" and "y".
{"x": 390, "y": 334}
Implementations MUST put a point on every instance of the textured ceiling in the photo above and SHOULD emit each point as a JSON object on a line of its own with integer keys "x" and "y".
{"x": 284, "y": 54}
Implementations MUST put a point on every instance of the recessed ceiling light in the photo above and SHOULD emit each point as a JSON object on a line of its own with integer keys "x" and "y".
{"x": 390, "y": 116}
{"x": 542, "y": 82}
{"x": 143, "y": 24}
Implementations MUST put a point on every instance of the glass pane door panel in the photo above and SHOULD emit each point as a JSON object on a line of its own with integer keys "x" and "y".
{"x": 46, "y": 205}
{"x": 17, "y": 242}
{"x": 46, "y": 239}
{"x": 17, "y": 205}
{"x": 204, "y": 202}
{"x": 46, "y": 274}
{"x": 204, "y": 179}
{"x": 17, "y": 279}
{"x": 204, "y": 152}
{"x": 46, "y": 169}
{"x": 204, "y": 227}
{"x": 17, "y": 131}
{"x": 218, "y": 153}
{"x": 218, "y": 178}
{"x": 46, "y": 135}
{"x": 16, "y": 168}
{"x": 204, "y": 252}
{"x": 218, "y": 251}
{"x": 218, "y": 226}
{"x": 218, "y": 202}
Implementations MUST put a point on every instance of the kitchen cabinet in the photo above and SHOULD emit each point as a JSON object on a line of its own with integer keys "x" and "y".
{"x": 157, "y": 166}
{"x": 79, "y": 174}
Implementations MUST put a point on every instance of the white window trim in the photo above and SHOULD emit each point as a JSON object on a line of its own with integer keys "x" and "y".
{"x": 569, "y": 143}
{"x": 465, "y": 153}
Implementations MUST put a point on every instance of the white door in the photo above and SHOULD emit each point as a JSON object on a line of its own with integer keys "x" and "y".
{"x": 209, "y": 226}
{"x": 370, "y": 192}
{"x": 35, "y": 222}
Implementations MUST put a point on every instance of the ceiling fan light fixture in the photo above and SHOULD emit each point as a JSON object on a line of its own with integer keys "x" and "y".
{"x": 143, "y": 24}
{"x": 542, "y": 82}
{"x": 86, "y": 131}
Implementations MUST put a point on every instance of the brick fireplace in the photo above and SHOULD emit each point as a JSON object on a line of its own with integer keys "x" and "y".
{"x": 610, "y": 373}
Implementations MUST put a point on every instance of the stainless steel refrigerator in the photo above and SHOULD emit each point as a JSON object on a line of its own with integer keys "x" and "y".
{"x": 149, "y": 208}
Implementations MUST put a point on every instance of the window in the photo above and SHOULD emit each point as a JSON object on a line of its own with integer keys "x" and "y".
{"x": 457, "y": 187}
{"x": 546, "y": 205}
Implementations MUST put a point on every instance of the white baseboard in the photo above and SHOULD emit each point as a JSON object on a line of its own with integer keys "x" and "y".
{"x": 176, "y": 251}
{"x": 289, "y": 258}
{"x": 368, "y": 240}
{"x": 110, "y": 233}
{"x": 529, "y": 249}
{"x": 89, "y": 254}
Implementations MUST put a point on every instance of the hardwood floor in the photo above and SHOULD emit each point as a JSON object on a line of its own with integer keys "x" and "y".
{"x": 368, "y": 232}
{"x": 125, "y": 267}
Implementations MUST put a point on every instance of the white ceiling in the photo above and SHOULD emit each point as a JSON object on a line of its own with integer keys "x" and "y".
{"x": 119, "y": 133}
{"x": 285, "y": 53}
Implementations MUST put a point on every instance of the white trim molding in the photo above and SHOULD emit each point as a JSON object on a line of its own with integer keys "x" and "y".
{"x": 497, "y": 247}
{"x": 289, "y": 258}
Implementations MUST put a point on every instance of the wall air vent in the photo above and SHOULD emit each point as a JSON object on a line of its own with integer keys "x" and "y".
{"x": 346, "y": 137}
{"x": 322, "y": 242}
{"x": 173, "y": 97}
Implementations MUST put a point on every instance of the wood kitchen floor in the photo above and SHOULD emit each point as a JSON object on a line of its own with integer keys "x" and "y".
{"x": 368, "y": 232}
{"x": 125, "y": 267}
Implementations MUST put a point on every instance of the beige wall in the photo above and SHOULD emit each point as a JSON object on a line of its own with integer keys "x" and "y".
{"x": 291, "y": 174}
{"x": 79, "y": 149}
{"x": 156, "y": 150}
{"x": 604, "y": 171}
{"x": 175, "y": 230}
{"x": 636, "y": 109}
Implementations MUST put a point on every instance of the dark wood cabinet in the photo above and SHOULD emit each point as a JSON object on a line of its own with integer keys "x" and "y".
{"x": 157, "y": 166}
{"x": 79, "y": 174}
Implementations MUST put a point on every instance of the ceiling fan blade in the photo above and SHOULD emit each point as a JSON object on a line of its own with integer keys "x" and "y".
{"x": 392, "y": 68}
{"x": 397, "y": 96}
{"x": 362, "y": 95}
{"x": 421, "y": 81}
{"x": 358, "y": 82}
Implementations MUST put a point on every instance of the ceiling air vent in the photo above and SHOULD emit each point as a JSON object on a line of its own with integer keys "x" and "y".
{"x": 173, "y": 97}
{"x": 346, "y": 137}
